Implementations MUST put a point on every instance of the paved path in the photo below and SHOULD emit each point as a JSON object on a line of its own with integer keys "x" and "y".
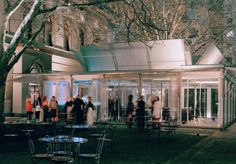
{"x": 220, "y": 147}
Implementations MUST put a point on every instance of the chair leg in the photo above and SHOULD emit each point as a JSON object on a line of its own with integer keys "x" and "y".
{"x": 98, "y": 160}
{"x": 33, "y": 160}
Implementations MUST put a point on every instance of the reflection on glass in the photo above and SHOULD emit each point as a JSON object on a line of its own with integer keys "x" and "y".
{"x": 154, "y": 88}
{"x": 63, "y": 92}
{"x": 214, "y": 102}
{"x": 49, "y": 89}
{"x": 117, "y": 96}
{"x": 200, "y": 98}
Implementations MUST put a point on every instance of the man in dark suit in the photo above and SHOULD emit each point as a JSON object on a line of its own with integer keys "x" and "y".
{"x": 141, "y": 113}
{"x": 78, "y": 110}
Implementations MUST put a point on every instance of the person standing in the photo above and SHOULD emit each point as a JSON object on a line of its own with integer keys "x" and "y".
{"x": 116, "y": 113}
{"x": 38, "y": 104}
{"x": 110, "y": 106}
{"x": 141, "y": 113}
{"x": 90, "y": 109}
{"x": 53, "y": 107}
{"x": 157, "y": 109}
{"x": 28, "y": 108}
{"x": 45, "y": 109}
{"x": 68, "y": 107}
{"x": 78, "y": 110}
{"x": 130, "y": 110}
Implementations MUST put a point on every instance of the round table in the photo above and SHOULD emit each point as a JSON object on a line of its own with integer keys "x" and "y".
{"x": 63, "y": 139}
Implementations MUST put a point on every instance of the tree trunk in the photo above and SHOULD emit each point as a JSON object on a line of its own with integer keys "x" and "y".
{"x": 2, "y": 93}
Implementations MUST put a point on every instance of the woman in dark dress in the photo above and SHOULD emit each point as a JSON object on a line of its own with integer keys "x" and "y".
{"x": 129, "y": 111}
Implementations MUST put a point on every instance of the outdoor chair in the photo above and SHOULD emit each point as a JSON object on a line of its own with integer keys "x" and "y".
{"x": 62, "y": 152}
{"x": 62, "y": 118}
{"x": 169, "y": 129}
{"x": 37, "y": 156}
{"x": 97, "y": 155}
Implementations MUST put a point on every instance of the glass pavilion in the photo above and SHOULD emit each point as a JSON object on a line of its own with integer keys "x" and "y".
{"x": 205, "y": 91}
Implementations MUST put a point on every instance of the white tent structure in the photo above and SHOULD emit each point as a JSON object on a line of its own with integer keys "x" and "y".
{"x": 212, "y": 55}
{"x": 201, "y": 95}
{"x": 152, "y": 55}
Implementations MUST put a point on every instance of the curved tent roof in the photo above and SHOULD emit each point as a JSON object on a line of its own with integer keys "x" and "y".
{"x": 153, "y": 55}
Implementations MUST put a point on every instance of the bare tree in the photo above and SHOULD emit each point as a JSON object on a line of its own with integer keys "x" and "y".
{"x": 199, "y": 22}
{"x": 34, "y": 9}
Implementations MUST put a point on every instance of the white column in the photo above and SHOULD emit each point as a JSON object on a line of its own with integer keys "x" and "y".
{"x": 208, "y": 102}
{"x": 187, "y": 99}
{"x": 181, "y": 97}
{"x": 195, "y": 100}
{"x": 71, "y": 85}
{"x": 18, "y": 98}
{"x": 181, "y": 101}
{"x": 139, "y": 85}
{"x": 173, "y": 95}
{"x": 220, "y": 100}
{"x": 103, "y": 99}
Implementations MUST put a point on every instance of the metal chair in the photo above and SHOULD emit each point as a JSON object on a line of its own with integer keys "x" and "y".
{"x": 62, "y": 152}
{"x": 37, "y": 156}
{"x": 169, "y": 129}
{"x": 97, "y": 155}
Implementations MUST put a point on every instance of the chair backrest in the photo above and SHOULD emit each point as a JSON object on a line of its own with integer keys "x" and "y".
{"x": 30, "y": 144}
{"x": 100, "y": 144}
{"x": 72, "y": 132}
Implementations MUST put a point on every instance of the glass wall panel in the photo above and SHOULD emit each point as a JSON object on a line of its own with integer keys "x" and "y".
{"x": 151, "y": 88}
{"x": 200, "y": 101}
{"x": 87, "y": 88}
{"x": 63, "y": 92}
{"x": 214, "y": 102}
{"x": 58, "y": 89}
{"x": 117, "y": 97}
{"x": 50, "y": 89}
{"x": 83, "y": 88}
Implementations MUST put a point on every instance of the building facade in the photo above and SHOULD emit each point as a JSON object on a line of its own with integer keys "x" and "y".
{"x": 70, "y": 60}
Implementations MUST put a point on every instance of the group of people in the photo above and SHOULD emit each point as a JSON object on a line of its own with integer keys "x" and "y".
{"x": 139, "y": 108}
{"x": 43, "y": 109}
{"x": 73, "y": 108}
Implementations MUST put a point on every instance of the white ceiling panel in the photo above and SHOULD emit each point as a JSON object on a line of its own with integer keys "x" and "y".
{"x": 168, "y": 54}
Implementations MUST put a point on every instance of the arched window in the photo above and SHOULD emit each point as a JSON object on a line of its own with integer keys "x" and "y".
{"x": 81, "y": 36}
{"x": 66, "y": 37}
{"x": 35, "y": 68}
{"x": 48, "y": 33}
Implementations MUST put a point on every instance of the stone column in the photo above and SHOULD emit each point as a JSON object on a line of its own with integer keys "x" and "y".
{"x": 220, "y": 114}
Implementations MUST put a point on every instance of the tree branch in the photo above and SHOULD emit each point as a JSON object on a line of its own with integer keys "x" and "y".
{"x": 21, "y": 29}
{"x": 19, "y": 54}
{"x": 47, "y": 10}
{"x": 8, "y": 18}
{"x": 175, "y": 18}
{"x": 97, "y": 2}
